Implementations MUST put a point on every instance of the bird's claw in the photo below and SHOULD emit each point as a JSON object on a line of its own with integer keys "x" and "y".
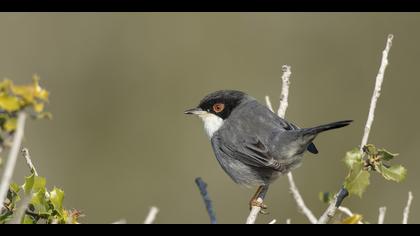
{"x": 256, "y": 203}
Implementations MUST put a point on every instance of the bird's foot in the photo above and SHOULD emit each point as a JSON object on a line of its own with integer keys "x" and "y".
{"x": 256, "y": 203}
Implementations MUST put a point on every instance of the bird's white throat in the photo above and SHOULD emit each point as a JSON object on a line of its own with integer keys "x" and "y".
{"x": 212, "y": 123}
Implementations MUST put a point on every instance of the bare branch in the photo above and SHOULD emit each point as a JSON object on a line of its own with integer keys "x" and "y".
{"x": 284, "y": 102}
{"x": 268, "y": 102}
{"x": 330, "y": 212}
{"x": 381, "y": 217}
{"x": 20, "y": 213}
{"x": 346, "y": 211}
{"x": 284, "y": 97}
{"x": 255, "y": 210}
{"x": 27, "y": 156}
{"x": 12, "y": 158}
{"x": 151, "y": 216}
{"x": 202, "y": 186}
{"x": 377, "y": 91}
{"x": 120, "y": 222}
{"x": 299, "y": 200}
{"x": 407, "y": 208}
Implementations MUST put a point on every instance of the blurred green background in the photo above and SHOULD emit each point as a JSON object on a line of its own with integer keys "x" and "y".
{"x": 120, "y": 143}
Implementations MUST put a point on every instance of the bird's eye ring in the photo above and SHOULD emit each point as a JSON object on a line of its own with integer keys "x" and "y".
{"x": 218, "y": 107}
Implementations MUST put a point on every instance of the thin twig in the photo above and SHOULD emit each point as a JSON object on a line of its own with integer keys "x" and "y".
{"x": 346, "y": 211}
{"x": 284, "y": 97}
{"x": 268, "y": 102}
{"x": 299, "y": 200}
{"x": 377, "y": 91}
{"x": 381, "y": 217}
{"x": 202, "y": 186}
{"x": 12, "y": 158}
{"x": 27, "y": 156}
{"x": 151, "y": 216}
{"x": 120, "y": 222}
{"x": 17, "y": 219}
{"x": 330, "y": 212}
{"x": 255, "y": 210}
{"x": 407, "y": 208}
{"x": 284, "y": 102}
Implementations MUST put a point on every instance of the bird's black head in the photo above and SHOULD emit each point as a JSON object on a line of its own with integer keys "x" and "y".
{"x": 220, "y": 103}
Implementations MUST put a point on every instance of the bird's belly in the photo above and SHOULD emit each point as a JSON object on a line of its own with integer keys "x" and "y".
{"x": 246, "y": 175}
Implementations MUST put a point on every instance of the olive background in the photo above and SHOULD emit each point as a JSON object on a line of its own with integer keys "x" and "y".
{"x": 120, "y": 143}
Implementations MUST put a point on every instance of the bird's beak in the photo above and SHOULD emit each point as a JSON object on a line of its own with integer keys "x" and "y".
{"x": 194, "y": 111}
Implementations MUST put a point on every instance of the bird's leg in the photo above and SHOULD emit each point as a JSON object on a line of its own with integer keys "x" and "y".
{"x": 261, "y": 191}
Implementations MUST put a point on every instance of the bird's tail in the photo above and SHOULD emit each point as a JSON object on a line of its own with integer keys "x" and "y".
{"x": 330, "y": 126}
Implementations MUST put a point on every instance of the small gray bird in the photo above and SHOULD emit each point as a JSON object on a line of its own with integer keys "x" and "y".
{"x": 253, "y": 145}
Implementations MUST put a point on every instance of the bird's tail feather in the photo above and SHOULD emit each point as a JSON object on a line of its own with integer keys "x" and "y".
{"x": 330, "y": 126}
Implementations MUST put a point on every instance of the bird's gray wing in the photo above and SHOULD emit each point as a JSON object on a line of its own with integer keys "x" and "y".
{"x": 250, "y": 150}
{"x": 279, "y": 122}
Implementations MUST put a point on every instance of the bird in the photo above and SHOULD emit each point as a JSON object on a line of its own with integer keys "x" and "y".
{"x": 253, "y": 145}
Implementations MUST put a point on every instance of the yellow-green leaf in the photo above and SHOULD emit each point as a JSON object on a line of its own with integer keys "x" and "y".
{"x": 39, "y": 202}
{"x": 44, "y": 115}
{"x": 352, "y": 158}
{"x": 40, "y": 93}
{"x": 10, "y": 125}
{"x": 38, "y": 107}
{"x": 9, "y": 103}
{"x": 29, "y": 183}
{"x": 28, "y": 220}
{"x": 326, "y": 197}
{"x": 39, "y": 184}
{"x": 357, "y": 180}
{"x": 395, "y": 173}
{"x": 355, "y": 219}
{"x": 370, "y": 149}
{"x": 57, "y": 197}
{"x": 385, "y": 155}
{"x": 15, "y": 187}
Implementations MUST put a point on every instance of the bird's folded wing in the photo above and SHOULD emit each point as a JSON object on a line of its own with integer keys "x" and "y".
{"x": 250, "y": 151}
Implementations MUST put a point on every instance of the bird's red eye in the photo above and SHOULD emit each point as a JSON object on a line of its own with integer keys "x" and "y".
{"x": 218, "y": 107}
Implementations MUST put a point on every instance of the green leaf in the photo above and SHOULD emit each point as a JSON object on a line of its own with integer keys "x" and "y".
{"x": 29, "y": 183}
{"x": 357, "y": 182}
{"x": 370, "y": 150}
{"x": 39, "y": 184}
{"x": 57, "y": 197}
{"x": 358, "y": 178}
{"x": 10, "y": 125}
{"x": 395, "y": 173}
{"x": 28, "y": 220}
{"x": 15, "y": 187}
{"x": 385, "y": 155}
{"x": 326, "y": 197}
{"x": 352, "y": 158}
{"x": 39, "y": 202}
{"x": 355, "y": 219}
{"x": 9, "y": 103}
